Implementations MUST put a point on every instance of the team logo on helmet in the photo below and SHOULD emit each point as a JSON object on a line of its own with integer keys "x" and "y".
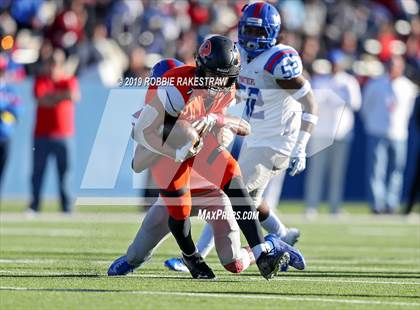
{"x": 205, "y": 49}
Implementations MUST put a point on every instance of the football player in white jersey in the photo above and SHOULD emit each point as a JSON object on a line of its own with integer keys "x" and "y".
{"x": 280, "y": 107}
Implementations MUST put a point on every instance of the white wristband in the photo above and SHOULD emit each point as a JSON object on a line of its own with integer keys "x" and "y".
{"x": 310, "y": 118}
{"x": 306, "y": 88}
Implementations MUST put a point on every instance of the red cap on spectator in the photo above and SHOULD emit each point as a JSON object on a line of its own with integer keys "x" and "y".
{"x": 3, "y": 63}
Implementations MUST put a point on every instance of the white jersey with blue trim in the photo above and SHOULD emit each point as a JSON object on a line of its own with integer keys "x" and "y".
{"x": 273, "y": 114}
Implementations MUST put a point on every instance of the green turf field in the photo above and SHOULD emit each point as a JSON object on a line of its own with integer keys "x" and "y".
{"x": 58, "y": 262}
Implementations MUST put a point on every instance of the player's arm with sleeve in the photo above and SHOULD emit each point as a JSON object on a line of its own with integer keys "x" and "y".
{"x": 288, "y": 75}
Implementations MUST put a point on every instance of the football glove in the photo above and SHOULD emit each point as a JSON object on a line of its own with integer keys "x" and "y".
{"x": 188, "y": 150}
{"x": 205, "y": 124}
{"x": 225, "y": 136}
{"x": 298, "y": 155}
{"x": 298, "y": 159}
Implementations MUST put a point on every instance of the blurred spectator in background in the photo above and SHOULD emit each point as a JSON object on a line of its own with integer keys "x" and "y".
{"x": 113, "y": 59}
{"x": 388, "y": 102}
{"x": 137, "y": 67}
{"x": 55, "y": 95}
{"x": 9, "y": 111}
{"x": 27, "y": 13}
{"x": 67, "y": 31}
{"x": 327, "y": 169}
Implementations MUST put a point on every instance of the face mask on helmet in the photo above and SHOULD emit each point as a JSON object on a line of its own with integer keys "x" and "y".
{"x": 255, "y": 39}
{"x": 253, "y": 31}
{"x": 218, "y": 83}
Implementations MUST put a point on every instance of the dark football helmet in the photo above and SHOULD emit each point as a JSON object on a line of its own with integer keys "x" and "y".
{"x": 217, "y": 57}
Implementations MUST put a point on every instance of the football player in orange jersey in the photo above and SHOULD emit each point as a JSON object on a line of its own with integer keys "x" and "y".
{"x": 203, "y": 107}
{"x": 207, "y": 199}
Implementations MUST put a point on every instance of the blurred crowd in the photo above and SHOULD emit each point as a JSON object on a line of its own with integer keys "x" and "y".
{"x": 126, "y": 37}
{"x": 129, "y": 35}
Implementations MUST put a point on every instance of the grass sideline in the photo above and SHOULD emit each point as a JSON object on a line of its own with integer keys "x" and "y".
{"x": 59, "y": 262}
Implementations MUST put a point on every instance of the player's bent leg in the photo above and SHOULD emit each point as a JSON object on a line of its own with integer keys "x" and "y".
{"x": 268, "y": 262}
{"x": 200, "y": 199}
{"x": 173, "y": 180}
{"x": 226, "y": 233}
{"x": 219, "y": 167}
{"x": 272, "y": 224}
{"x": 204, "y": 245}
{"x": 256, "y": 178}
{"x": 180, "y": 226}
{"x": 152, "y": 231}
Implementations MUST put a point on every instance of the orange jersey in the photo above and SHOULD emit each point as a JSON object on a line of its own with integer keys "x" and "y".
{"x": 188, "y": 101}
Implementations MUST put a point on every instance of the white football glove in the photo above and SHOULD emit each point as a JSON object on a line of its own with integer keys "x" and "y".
{"x": 298, "y": 159}
{"x": 225, "y": 136}
{"x": 188, "y": 151}
{"x": 205, "y": 124}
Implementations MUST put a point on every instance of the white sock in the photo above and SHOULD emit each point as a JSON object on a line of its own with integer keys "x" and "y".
{"x": 259, "y": 249}
{"x": 244, "y": 258}
{"x": 206, "y": 242}
{"x": 273, "y": 225}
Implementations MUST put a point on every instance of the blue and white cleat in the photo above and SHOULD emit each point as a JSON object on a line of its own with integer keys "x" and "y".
{"x": 120, "y": 267}
{"x": 296, "y": 258}
{"x": 176, "y": 264}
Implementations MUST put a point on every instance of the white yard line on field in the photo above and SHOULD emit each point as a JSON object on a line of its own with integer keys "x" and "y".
{"x": 349, "y": 261}
{"x": 227, "y": 295}
{"x": 43, "y": 261}
{"x": 42, "y": 231}
{"x": 367, "y": 249}
{"x": 284, "y": 278}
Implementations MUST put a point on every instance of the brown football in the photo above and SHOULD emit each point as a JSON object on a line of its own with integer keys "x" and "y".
{"x": 178, "y": 133}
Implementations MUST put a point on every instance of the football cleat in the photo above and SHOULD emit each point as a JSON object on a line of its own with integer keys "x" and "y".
{"x": 296, "y": 258}
{"x": 292, "y": 236}
{"x": 120, "y": 267}
{"x": 176, "y": 264}
{"x": 269, "y": 263}
{"x": 198, "y": 267}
